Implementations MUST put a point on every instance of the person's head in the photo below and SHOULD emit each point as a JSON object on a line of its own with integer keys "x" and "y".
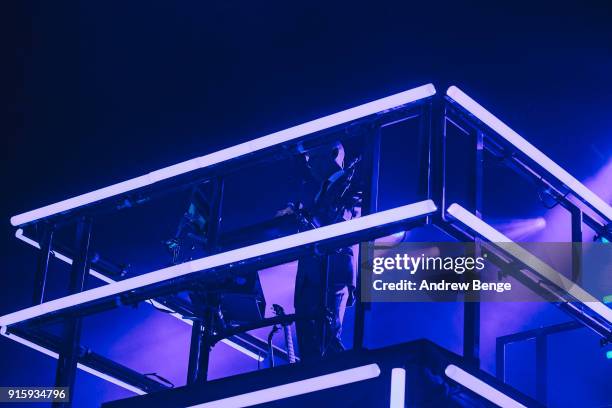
{"x": 323, "y": 161}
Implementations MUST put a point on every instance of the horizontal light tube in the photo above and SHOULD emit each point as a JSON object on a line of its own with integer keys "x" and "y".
{"x": 241, "y": 349}
{"x": 252, "y": 251}
{"x": 398, "y": 388}
{"x": 480, "y": 387}
{"x": 80, "y": 366}
{"x": 19, "y": 235}
{"x": 371, "y": 108}
{"x": 579, "y": 189}
{"x": 293, "y": 389}
{"x": 530, "y": 260}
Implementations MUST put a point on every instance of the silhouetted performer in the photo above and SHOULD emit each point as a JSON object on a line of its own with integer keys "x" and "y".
{"x": 335, "y": 201}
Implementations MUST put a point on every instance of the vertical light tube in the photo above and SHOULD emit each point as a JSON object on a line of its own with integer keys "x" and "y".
{"x": 398, "y": 388}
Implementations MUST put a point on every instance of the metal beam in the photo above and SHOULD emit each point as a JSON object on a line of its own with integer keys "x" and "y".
{"x": 369, "y": 206}
{"x": 69, "y": 349}
{"x": 40, "y": 279}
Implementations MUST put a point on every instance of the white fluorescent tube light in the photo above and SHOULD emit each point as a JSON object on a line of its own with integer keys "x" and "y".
{"x": 530, "y": 260}
{"x": 19, "y": 235}
{"x": 110, "y": 379}
{"x": 398, "y": 388}
{"x": 243, "y": 350}
{"x": 579, "y": 189}
{"x": 367, "y": 109}
{"x": 252, "y": 251}
{"x": 293, "y": 389}
{"x": 480, "y": 387}
{"x": 80, "y": 366}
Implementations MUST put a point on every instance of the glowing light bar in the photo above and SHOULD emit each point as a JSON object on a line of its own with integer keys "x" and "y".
{"x": 296, "y": 132}
{"x": 243, "y": 350}
{"x": 480, "y": 387}
{"x": 398, "y": 388}
{"x": 293, "y": 389}
{"x": 579, "y": 189}
{"x": 80, "y": 366}
{"x": 19, "y": 235}
{"x": 530, "y": 260}
{"x": 609, "y": 354}
{"x": 252, "y": 251}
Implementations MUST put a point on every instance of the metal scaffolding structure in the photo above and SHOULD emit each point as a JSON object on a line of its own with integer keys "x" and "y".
{"x": 435, "y": 113}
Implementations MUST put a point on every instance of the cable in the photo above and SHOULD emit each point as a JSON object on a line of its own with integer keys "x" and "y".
{"x": 274, "y": 330}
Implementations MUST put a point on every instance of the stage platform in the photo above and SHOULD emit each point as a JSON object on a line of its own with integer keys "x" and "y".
{"x": 413, "y": 374}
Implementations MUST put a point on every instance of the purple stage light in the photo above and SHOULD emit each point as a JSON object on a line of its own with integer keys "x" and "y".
{"x": 558, "y": 224}
{"x": 521, "y": 228}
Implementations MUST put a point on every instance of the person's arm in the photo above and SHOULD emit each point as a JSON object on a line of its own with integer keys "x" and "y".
{"x": 291, "y": 208}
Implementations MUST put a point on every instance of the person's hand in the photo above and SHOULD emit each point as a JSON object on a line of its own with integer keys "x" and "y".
{"x": 291, "y": 209}
{"x": 357, "y": 198}
{"x": 285, "y": 211}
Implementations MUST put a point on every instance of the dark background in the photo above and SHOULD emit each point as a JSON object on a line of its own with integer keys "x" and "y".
{"x": 99, "y": 92}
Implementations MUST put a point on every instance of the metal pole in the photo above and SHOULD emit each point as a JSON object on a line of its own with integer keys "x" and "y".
{"x": 479, "y": 173}
{"x": 201, "y": 346}
{"x": 369, "y": 206}
{"x": 69, "y": 350}
{"x": 203, "y": 330}
{"x": 193, "y": 369}
{"x": 500, "y": 359}
{"x": 436, "y": 174}
{"x": 471, "y": 305}
{"x": 576, "y": 245}
{"x": 425, "y": 152}
{"x": 323, "y": 318}
{"x": 471, "y": 333}
{"x": 215, "y": 216}
{"x": 541, "y": 367}
{"x": 40, "y": 280}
